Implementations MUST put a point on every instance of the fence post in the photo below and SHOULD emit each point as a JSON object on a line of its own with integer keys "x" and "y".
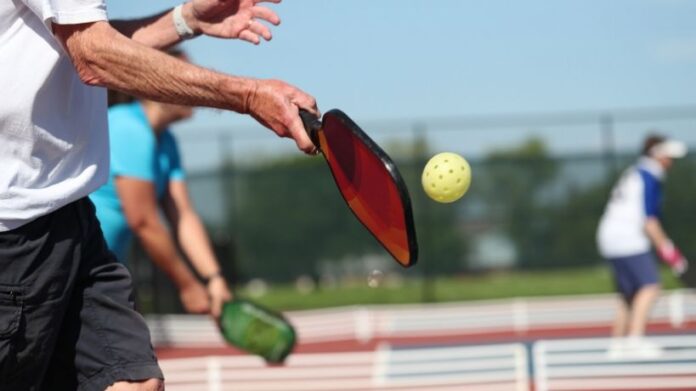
{"x": 226, "y": 150}
{"x": 363, "y": 325}
{"x": 606, "y": 124}
{"x": 214, "y": 374}
{"x": 539, "y": 366}
{"x": 421, "y": 158}
{"x": 380, "y": 366}
{"x": 228, "y": 170}
{"x": 522, "y": 369}
{"x": 676, "y": 309}
{"x": 520, "y": 316}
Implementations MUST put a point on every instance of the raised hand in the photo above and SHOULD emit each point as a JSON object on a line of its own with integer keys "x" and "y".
{"x": 233, "y": 19}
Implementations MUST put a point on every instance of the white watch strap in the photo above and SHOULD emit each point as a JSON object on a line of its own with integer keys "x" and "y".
{"x": 182, "y": 28}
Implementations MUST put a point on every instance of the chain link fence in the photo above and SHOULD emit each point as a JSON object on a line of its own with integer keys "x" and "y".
{"x": 539, "y": 186}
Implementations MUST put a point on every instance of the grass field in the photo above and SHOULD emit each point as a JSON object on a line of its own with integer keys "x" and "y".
{"x": 461, "y": 288}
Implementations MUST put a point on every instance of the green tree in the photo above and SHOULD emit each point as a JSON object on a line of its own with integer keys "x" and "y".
{"x": 288, "y": 217}
{"x": 514, "y": 182}
{"x": 679, "y": 209}
{"x": 571, "y": 241}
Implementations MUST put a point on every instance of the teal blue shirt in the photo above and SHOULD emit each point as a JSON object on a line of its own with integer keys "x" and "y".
{"x": 136, "y": 152}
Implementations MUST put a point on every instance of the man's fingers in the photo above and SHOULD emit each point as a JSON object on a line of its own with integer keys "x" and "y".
{"x": 249, "y": 36}
{"x": 216, "y": 307}
{"x": 307, "y": 102}
{"x": 260, "y": 30}
{"x": 299, "y": 134}
{"x": 266, "y": 14}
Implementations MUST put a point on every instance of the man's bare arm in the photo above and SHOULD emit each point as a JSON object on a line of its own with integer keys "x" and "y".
{"x": 156, "y": 31}
{"x": 195, "y": 243}
{"x": 104, "y": 57}
{"x": 657, "y": 235}
{"x": 188, "y": 228}
{"x": 666, "y": 250}
{"x": 214, "y": 18}
{"x": 138, "y": 199}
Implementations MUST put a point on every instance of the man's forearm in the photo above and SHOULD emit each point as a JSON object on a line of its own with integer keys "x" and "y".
{"x": 194, "y": 242}
{"x": 104, "y": 57}
{"x": 657, "y": 235}
{"x": 156, "y": 31}
{"x": 156, "y": 241}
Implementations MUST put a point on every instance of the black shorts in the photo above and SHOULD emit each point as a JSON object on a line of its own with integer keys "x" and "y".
{"x": 67, "y": 317}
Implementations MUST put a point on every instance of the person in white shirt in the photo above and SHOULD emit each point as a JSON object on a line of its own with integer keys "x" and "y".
{"x": 630, "y": 227}
{"x": 67, "y": 319}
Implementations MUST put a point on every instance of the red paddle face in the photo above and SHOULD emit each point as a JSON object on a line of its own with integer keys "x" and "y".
{"x": 370, "y": 184}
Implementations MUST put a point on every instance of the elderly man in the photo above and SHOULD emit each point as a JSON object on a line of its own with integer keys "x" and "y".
{"x": 67, "y": 320}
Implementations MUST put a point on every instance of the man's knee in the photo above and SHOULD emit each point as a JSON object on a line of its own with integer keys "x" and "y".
{"x": 649, "y": 289}
{"x": 146, "y": 385}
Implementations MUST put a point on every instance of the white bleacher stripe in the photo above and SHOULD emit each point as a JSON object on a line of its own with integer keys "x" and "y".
{"x": 384, "y": 369}
{"x": 631, "y": 369}
{"x": 369, "y": 322}
{"x": 602, "y": 356}
{"x": 663, "y": 362}
{"x": 642, "y": 383}
{"x": 578, "y": 364}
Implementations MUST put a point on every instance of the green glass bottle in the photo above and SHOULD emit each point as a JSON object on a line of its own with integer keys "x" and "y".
{"x": 257, "y": 330}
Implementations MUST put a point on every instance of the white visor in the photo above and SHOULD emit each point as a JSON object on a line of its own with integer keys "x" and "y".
{"x": 669, "y": 148}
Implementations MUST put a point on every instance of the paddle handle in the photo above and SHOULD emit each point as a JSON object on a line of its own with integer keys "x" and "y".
{"x": 312, "y": 125}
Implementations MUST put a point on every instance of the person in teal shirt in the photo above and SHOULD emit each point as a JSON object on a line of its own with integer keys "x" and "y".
{"x": 146, "y": 177}
{"x": 136, "y": 152}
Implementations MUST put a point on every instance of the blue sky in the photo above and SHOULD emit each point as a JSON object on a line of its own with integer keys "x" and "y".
{"x": 408, "y": 59}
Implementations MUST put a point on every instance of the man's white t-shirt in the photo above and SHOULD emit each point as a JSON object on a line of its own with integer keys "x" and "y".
{"x": 636, "y": 197}
{"x": 53, "y": 130}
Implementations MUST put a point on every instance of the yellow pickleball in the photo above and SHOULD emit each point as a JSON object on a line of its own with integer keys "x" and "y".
{"x": 446, "y": 177}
